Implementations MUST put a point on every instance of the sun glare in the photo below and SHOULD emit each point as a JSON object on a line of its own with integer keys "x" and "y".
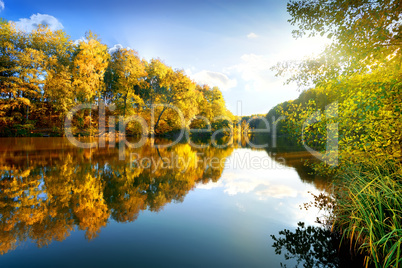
{"x": 305, "y": 47}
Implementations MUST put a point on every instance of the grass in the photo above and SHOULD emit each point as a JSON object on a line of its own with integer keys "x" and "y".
{"x": 369, "y": 211}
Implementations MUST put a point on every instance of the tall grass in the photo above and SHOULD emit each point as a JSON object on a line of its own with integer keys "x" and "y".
{"x": 369, "y": 211}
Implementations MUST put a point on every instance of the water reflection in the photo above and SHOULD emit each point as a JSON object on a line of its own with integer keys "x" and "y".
{"x": 49, "y": 188}
{"x": 311, "y": 246}
{"x": 315, "y": 246}
{"x": 292, "y": 155}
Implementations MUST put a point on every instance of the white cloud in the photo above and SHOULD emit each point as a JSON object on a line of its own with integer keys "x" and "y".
{"x": 212, "y": 79}
{"x": 1, "y": 5}
{"x": 37, "y": 19}
{"x": 115, "y": 48}
{"x": 78, "y": 41}
{"x": 245, "y": 178}
{"x": 255, "y": 71}
{"x": 277, "y": 191}
{"x": 238, "y": 183}
{"x": 252, "y": 36}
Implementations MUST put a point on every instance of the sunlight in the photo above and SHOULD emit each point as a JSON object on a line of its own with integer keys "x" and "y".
{"x": 306, "y": 47}
{"x": 201, "y": 132}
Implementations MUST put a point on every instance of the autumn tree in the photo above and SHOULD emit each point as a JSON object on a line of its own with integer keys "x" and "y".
{"x": 169, "y": 88}
{"x": 89, "y": 65}
{"x": 21, "y": 72}
{"x": 43, "y": 74}
{"x": 128, "y": 74}
{"x": 211, "y": 106}
{"x": 58, "y": 88}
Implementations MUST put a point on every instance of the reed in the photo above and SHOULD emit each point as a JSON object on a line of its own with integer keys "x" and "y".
{"x": 369, "y": 211}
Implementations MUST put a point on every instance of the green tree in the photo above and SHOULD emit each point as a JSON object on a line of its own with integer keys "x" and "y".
{"x": 365, "y": 35}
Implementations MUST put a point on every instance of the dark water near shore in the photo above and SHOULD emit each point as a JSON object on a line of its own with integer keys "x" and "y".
{"x": 63, "y": 206}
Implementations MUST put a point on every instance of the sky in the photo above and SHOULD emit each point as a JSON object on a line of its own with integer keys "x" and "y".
{"x": 231, "y": 44}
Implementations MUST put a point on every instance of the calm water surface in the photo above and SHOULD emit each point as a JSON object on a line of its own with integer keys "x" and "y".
{"x": 62, "y": 206}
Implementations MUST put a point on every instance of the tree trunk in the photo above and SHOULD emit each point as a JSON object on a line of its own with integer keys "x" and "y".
{"x": 159, "y": 118}
{"x": 125, "y": 105}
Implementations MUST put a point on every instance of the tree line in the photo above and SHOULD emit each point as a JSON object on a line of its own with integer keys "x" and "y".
{"x": 44, "y": 74}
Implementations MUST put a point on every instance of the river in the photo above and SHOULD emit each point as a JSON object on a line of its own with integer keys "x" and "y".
{"x": 180, "y": 206}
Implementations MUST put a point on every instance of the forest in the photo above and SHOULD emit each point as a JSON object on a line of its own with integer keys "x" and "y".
{"x": 349, "y": 113}
{"x": 44, "y": 74}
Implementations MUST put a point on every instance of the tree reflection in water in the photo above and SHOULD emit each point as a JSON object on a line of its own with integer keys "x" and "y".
{"x": 48, "y": 187}
{"x": 316, "y": 246}
{"x": 311, "y": 246}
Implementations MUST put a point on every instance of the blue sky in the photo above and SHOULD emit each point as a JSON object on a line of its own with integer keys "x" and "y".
{"x": 226, "y": 43}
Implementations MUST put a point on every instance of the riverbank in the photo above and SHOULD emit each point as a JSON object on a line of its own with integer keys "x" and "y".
{"x": 368, "y": 210}
{"x": 365, "y": 208}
